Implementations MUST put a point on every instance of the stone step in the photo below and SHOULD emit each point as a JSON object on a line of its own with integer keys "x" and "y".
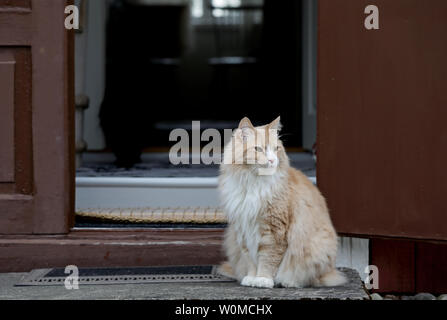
{"x": 353, "y": 290}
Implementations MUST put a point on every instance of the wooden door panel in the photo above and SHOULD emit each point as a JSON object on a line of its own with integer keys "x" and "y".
{"x": 15, "y": 123}
{"x": 36, "y": 103}
{"x": 16, "y": 180}
{"x": 13, "y": 4}
{"x": 382, "y": 131}
{"x": 16, "y": 22}
{"x": 7, "y": 68}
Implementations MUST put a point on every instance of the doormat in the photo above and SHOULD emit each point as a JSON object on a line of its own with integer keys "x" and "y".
{"x": 156, "y": 215}
{"x": 138, "y": 275}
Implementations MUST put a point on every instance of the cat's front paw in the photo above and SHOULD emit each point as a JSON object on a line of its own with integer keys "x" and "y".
{"x": 247, "y": 281}
{"x": 257, "y": 282}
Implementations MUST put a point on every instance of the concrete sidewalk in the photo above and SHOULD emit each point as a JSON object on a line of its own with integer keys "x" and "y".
{"x": 178, "y": 291}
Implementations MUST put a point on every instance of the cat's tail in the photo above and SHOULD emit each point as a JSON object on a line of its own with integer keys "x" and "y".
{"x": 226, "y": 270}
{"x": 332, "y": 279}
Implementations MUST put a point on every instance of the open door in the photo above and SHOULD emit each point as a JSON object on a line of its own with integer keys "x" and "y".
{"x": 36, "y": 97}
{"x": 382, "y": 132}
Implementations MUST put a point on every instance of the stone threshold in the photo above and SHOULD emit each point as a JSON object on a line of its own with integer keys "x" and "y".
{"x": 353, "y": 290}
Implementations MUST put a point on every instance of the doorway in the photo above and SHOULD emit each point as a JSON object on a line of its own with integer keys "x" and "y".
{"x": 161, "y": 65}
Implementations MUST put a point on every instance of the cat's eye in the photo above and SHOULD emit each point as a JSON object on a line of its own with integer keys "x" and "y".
{"x": 259, "y": 149}
{"x": 277, "y": 148}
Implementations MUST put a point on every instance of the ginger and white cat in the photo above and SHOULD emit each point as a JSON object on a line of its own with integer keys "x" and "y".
{"x": 279, "y": 230}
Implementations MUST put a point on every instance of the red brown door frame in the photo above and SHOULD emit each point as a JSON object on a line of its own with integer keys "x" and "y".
{"x": 382, "y": 135}
{"x": 112, "y": 248}
{"x": 381, "y": 118}
{"x": 36, "y": 64}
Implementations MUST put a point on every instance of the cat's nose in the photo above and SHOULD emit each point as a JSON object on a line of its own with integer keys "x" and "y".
{"x": 271, "y": 161}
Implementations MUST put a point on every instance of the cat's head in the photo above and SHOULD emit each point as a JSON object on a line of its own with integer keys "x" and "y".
{"x": 256, "y": 147}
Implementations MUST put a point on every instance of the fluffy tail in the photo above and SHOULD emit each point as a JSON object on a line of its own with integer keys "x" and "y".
{"x": 226, "y": 270}
{"x": 333, "y": 278}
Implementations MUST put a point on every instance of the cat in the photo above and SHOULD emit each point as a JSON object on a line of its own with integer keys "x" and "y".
{"x": 279, "y": 230}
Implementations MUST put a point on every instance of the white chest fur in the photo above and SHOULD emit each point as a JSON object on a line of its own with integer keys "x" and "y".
{"x": 243, "y": 198}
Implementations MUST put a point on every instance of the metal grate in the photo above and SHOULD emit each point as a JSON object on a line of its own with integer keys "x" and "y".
{"x": 105, "y": 276}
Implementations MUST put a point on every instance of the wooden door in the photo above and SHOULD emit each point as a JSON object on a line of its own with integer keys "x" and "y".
{"x": 36, "y": 122}
{"x": 382, "y": 117}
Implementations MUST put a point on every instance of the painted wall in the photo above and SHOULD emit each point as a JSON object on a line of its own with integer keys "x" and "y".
{"x": 90, "y": 68}
{"x": 309, "y": 76}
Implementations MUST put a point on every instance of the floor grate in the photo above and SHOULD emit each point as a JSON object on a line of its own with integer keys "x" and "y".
{"x": 108, "y": 276}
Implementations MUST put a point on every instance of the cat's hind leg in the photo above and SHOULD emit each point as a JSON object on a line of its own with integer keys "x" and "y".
{"x": 226, "y": 270}
{"x": 244, "y": 266}
{"x": 332, "y": 278}
{"x": 292, "y": 273}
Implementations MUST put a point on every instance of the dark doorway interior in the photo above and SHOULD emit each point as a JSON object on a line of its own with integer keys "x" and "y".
{"x": 166, "y": 67}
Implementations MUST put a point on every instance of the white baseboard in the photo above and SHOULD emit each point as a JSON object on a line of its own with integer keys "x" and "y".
{"x": 124, "y": 192}
{"x": 353, "y": 253}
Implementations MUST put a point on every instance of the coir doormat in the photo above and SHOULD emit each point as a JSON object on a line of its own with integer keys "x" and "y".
{"x": 107, "y": 276}
{"x": 199, "y": 215}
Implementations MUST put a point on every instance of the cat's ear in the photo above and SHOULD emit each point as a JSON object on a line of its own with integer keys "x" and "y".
{"x": 246, "y": 127}
{"x": 276, "y": 124}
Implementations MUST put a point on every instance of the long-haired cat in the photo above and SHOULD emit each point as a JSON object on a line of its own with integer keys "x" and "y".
{"x": 279, "y": 230}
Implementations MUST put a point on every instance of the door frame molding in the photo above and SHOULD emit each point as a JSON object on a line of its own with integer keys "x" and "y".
{"x": 111, "y": 248}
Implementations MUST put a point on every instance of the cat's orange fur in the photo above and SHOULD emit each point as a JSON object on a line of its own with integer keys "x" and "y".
{"x": 279, "y": 229}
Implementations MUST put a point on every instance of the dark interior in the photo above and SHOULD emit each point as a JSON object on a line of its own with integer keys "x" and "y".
{"x": 166, "y": 67}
